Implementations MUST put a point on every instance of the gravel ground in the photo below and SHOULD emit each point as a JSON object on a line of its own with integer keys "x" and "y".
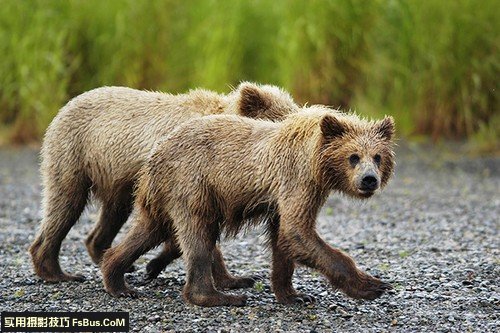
{"x": 433, "y": 233}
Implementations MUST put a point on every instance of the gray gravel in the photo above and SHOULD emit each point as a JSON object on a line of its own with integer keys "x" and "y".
{"x": 433, "y": 233}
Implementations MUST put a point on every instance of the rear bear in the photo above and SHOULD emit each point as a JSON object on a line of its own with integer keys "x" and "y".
{"x": 216, "y": 173}
{"x": 98, "y": 142}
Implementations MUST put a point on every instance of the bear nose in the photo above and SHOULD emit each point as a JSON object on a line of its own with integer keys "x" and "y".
{"x": 369, "y": 183}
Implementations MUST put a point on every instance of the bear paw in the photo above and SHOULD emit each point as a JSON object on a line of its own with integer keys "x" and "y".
{"x": 235, "y": 282}
{"x": 215, "y": 299}
{"x": 368, "y": 288}
{"x": 297, "y": 298}
{"x": 122, "y": 292}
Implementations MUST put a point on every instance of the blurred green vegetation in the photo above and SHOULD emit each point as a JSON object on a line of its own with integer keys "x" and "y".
{"x": 433, "y": 65}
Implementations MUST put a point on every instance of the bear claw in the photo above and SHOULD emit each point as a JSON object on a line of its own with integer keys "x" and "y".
{"x": 237, "y": 282}
{"x": 297, "y": 299}
{"x": 372, "y": 289}
{"x": 127, "y": 293}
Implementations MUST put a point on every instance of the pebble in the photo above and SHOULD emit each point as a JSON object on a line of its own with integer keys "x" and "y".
{"x": 447, "y": 219}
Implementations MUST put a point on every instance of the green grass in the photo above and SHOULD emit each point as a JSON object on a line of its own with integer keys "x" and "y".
{"x": 437, "y": 66}
{"x": 433, "y": 65}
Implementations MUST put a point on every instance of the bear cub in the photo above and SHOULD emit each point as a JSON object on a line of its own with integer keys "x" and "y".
{"x": 215, "y": 174}
{"x": 95, "y": 147}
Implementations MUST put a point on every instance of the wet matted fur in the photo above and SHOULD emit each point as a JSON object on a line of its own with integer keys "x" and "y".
{"x": 216, "y": 173}
{"x": 98, "y": 142}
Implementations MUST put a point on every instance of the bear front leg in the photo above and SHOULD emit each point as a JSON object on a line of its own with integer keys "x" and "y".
{"x": 282, "y": 271}
{"x": 298, "y": 239}
{"x": 281, "y": 279}
{"x": 306, "y": 247}
{"x": 225, "y": 280}
{"x": 113, "y": 214}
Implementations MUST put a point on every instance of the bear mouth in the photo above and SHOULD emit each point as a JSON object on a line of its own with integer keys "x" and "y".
{"x": 365, "y": 193}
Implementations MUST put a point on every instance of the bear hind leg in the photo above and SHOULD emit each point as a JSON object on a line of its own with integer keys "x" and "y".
{"x": 222, "y": 278}
{"x": 169, "y": 253}
{"x": 118, "y": 259}
{"x": 62, "y": 208}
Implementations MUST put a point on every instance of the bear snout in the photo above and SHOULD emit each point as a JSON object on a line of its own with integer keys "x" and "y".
{"x": 369, "y": 183}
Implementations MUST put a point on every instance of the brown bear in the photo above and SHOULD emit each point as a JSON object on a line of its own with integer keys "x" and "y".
{"x": 98, "y": 142}
{"x": 214, "y": 174}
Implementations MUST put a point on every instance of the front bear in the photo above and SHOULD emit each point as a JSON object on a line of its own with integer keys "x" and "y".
{"x": 216, "y": 173}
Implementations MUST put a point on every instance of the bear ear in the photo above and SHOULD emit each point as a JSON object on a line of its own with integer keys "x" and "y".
{"x": 332, "y": 127}
{"x": 386, "y": 127}
{"x": 252, "y": 100}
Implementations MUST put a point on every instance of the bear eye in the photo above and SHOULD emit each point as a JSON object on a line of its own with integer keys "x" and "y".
{"x": 354, "y": 159}
{"x": 377, "y": 158}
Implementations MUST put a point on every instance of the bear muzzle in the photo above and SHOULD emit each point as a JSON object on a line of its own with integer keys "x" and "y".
{"x": 368, "y": 184}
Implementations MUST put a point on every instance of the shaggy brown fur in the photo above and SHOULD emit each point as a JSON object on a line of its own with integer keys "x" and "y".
{"x": 216, "y": 173}
{"x": 98, "y": 142}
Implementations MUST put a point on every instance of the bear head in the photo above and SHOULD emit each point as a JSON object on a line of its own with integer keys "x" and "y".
{"x": 356, "y": 156}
